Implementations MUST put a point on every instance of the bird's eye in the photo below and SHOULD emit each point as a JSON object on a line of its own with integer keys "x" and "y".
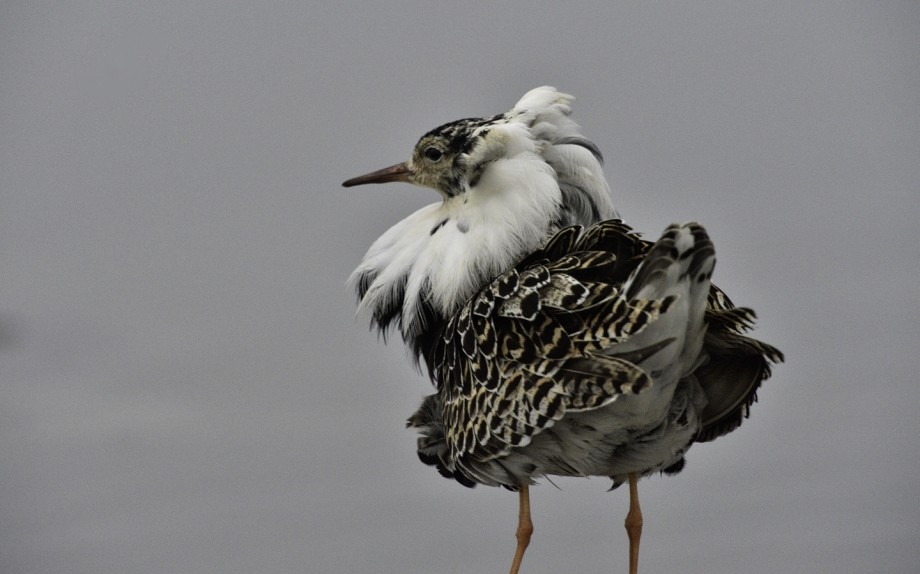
{"x": 433, "y": 153}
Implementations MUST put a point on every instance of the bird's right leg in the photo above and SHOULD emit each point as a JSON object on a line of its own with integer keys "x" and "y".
{"x": 633, "y": 524}
{"x": 524, "y": 529}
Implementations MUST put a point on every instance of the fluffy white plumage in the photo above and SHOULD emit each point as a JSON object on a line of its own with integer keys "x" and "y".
{"x": 541, "y": 175}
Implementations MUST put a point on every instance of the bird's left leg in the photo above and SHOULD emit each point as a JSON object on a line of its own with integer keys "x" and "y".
{"x": 524, "y": 529}
{"x": 633, "y": 524}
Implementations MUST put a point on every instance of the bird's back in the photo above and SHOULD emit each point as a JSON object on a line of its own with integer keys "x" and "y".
{"x": 592, "y": 356}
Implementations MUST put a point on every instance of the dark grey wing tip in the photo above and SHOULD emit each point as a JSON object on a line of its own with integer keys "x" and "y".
{"x": 730, "y": 399}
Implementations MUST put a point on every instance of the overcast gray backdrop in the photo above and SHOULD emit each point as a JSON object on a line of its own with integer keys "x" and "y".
{"x": 183, "y": 385}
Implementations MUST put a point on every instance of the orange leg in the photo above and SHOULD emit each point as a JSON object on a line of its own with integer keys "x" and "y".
{"x": 633, "y": 524}
{"x": 524, "y": 530}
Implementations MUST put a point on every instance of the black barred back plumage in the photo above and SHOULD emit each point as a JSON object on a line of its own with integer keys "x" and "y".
{"x": 533, "y": 347}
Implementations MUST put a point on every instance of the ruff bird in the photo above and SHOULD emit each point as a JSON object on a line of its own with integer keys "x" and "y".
{"x": 558, "y": 341}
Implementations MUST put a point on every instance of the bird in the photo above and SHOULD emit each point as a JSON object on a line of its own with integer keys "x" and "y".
{"x": 558, "y": 341}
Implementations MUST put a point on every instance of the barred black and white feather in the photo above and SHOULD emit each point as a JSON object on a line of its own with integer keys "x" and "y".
{"x": 590, "y": 357}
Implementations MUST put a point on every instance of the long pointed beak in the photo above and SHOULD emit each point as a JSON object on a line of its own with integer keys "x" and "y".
{"x": 398, "y": 172}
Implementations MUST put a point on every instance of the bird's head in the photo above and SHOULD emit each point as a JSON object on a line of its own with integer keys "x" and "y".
{"x": 448, "y": 159}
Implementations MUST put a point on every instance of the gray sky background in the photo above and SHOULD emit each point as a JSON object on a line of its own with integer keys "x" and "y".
{"x": 183, "y": 385}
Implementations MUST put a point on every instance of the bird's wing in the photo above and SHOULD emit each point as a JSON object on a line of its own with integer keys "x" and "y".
{"x": 734, "y": 366}
{"x": 566, "y": 330}
{"x": 529, "y": 347}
